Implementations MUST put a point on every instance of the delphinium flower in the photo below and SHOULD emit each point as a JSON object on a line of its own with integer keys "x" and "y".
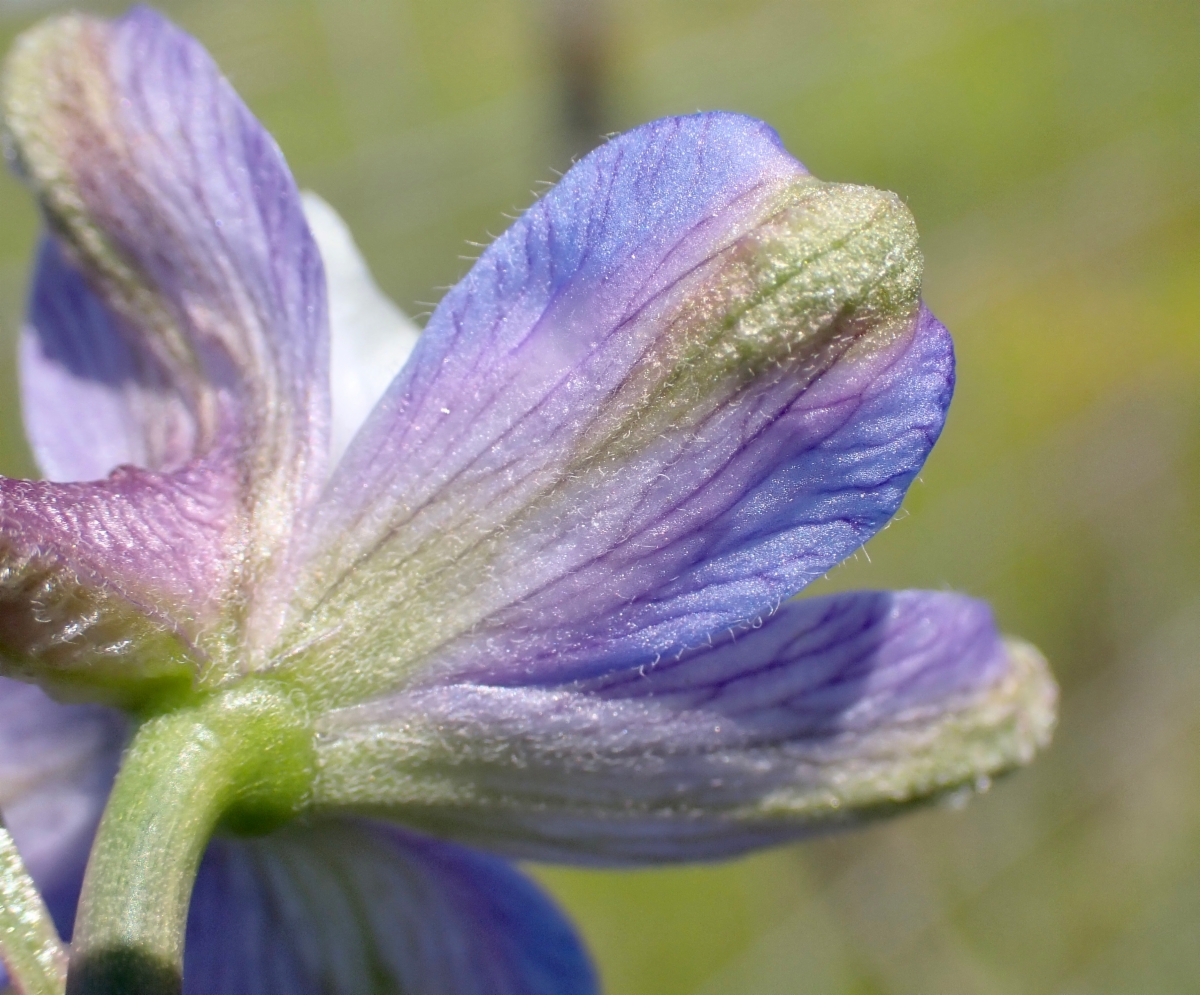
{"x": 539, "y": 608}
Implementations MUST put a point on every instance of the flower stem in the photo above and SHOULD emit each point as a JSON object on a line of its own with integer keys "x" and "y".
{"x": 29, "y": 945}
{"x": 243, "y": 755}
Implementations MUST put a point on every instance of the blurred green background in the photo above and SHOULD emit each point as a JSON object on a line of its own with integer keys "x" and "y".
{"x": 1049, "y": 149}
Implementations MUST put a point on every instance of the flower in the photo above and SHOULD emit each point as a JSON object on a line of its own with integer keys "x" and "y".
{"x": 541, "y": 604}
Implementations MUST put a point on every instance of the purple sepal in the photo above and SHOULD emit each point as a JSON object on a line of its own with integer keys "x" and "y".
{"x": 507, "y": 511}
{"x": 178, "y": 323}
{"x": 832, "y": 710}
{"x": 180, "y": 210}
{"x": 354, "y": 908}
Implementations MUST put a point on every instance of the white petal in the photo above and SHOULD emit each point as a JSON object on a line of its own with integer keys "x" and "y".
{"x": 370, "y": 337}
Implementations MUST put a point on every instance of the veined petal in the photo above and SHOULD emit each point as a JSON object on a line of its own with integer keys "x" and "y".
{"x": 184, "y": 298}
{"x": 369, "y": 337}
{"x": 834, "y": 710}
{"x": 180, "y": 211}
{"x": 57, "y": 764}
{"x": 362, "y": 909}
{"x": 688, "y": 381}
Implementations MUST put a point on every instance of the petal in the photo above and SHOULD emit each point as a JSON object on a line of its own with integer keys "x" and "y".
{"x": 181, "y": 213}
{"x": 370, "y": 338}
{"x": 57, "y": 763}
{"x": 687, "y": 382}
{"x": 356, "y": 909}
{"x": 182, "y": 311}
{"x": 832, "y": 711}
{"x": 90, "y": 401}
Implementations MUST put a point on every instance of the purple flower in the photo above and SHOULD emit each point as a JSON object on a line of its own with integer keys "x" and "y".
{"x": 540, "y": 605}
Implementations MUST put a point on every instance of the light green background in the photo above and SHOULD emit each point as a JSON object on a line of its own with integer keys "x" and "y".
{"x": 1049, "y": 149}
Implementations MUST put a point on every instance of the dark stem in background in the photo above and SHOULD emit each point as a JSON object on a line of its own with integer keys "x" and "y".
{"x": 580, "y": 36}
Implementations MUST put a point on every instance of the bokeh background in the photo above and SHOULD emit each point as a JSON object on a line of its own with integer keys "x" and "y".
{"x": 1050, "y": 150}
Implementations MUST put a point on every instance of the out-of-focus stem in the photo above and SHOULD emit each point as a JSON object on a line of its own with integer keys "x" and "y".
{"x": 581, "y": 37}
{"x": 29, "y": 945}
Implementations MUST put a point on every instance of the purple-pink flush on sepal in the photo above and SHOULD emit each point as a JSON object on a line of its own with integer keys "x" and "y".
{"x": 541, "y": 603}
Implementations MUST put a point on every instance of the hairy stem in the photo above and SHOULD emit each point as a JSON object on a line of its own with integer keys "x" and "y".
{"x": 29, "y": 945}
{"x": 243, "y": 755}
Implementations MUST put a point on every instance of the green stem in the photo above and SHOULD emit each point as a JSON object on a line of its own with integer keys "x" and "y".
{"x": 244, "y": 755}
{"x": 29, "y": 945}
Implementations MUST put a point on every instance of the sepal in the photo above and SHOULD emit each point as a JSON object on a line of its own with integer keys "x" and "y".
{"x": 687, "y": 382}
{"x": 830, "y": 712}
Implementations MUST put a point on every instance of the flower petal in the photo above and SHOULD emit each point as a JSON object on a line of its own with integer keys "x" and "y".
{"x": 183, "y": 307}
{"x": 370, "y": 338}
{"x": 180, "y": 211}
{"x": 834, "y": 710}
{"x": 356, "y": 909}
{"x": 90, "y": 401}
{"x": 688, "y": 381}
{"x": 57, "y": 763}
